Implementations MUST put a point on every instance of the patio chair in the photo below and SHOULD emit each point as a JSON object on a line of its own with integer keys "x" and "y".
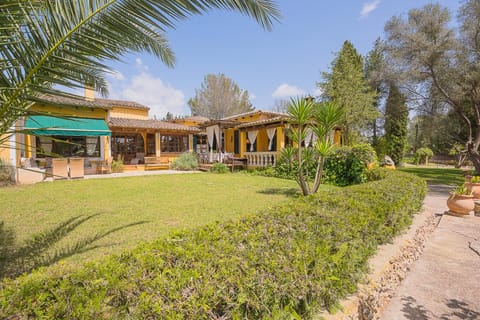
{"x": 105, "y": 166}
{"x": 59, "y": 168}
{"x": 77, "y": 169}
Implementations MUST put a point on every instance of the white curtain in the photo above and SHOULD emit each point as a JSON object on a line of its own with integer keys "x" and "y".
{"x": 252, "y": 136}
{"x": 270, "y": 134}
{"x": 210, "y": 135}
{"x": 219, "y": 139}
{"x": 308, "y": 137}
{"x": 46, "y": 144}
{"x": 91, "y": 145}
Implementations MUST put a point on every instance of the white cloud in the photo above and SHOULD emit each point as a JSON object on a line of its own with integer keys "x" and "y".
{"x": 252, "y": 96}
{"x": 369, "y": 7}
{"x": 154, "y": 93}
{"x": 117, "y": 75}
{"x": 285, "y": 90}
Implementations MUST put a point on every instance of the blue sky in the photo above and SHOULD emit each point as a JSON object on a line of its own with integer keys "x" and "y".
{"x": 275, "y": 65}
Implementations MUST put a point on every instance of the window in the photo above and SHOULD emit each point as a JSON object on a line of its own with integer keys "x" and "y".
{"x": 66, "y": 146}
{"x": 151, "y": 143}
{"x": 127, "y": 146}
{"x": 174, "y": 143}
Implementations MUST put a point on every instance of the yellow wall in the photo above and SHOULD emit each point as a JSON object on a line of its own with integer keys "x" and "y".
{"x": 5, "y": 149}
{"x": 71, "y": 112}
{"x": 229, "y": 140}
{"x": 119, "y": 112}
{"x": 252, "y": 117}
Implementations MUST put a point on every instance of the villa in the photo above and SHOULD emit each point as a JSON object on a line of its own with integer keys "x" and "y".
{"x": 71, "y": 137}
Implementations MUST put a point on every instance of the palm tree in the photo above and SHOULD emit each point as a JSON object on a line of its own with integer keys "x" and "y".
{"x": 319, "y": 118}
{"x": 45, "y": 44}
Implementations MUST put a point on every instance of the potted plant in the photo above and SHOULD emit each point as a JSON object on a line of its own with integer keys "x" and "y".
{"x": 460, "y": 201}
{"x": 473, "y": 185}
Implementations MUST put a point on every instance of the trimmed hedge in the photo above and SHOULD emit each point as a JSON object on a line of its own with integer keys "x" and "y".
{"x": 286, "y": 262}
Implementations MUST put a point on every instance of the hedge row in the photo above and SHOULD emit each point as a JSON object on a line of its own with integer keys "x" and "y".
{"x": 285, "y": 262}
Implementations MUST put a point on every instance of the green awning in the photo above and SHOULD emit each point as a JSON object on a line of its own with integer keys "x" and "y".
{"x": 66, "y": 126}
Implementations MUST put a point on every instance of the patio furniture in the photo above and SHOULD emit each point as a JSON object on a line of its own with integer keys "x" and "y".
{"x": 156, "y": 163}
{"x": 139, "y": 158}
{"x": 104, "y": 166}
{"x": 59, "y": 168}
{"x": 77, "y": 169}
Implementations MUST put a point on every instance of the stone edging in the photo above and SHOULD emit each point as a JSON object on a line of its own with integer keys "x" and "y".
{"x": 375, "y": 294}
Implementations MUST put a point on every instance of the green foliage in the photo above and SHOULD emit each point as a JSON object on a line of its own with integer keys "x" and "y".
{"x": 349, "y": 165}
{"x": 47, "y": 44}
{"x": 7, "y": 174}
{"x": 344, "y": 166}
{"x": 422, "y": 155}
{"x": 117, "y": 165}
{"x": 396, "y": 122}
{"x": 462, "y": 189}
{"x": 219, "y": 168}
{"x": 286, "y": 262}
{"x": 186, "y": 161}
{"x": 219, "y": 97}
{"x": 316, "y": 119}
{"x": 347, "y": 86}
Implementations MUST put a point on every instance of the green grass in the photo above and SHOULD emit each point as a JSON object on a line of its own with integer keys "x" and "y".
{"x": 449, "y": 176}
{"x": 103, "y": 216}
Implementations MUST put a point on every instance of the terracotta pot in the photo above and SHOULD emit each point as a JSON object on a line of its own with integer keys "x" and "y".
{"x": 460, "y": 204}
{"x": 474, "y": 188}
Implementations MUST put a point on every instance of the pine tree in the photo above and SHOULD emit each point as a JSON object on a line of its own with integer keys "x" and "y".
{"x": 219, "y": 97}
{"x": 396, "y": 122}
{"x": 347, "y": 86}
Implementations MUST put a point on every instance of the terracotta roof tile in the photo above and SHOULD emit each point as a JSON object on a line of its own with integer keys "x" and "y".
{"x": 246, "y": 114}
{"x": 96, "y": 103}
{"x": 262, "y": 122}
{"x": 149, "y": 124}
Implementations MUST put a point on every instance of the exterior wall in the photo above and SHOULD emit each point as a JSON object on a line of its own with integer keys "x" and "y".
{"x": 82, "y": 112}
{"x": 5, "y": 149}
{"x": 119, "y": 112}
{"x": 71, "y": 111}
{"x": 229, "y": 140}
{"x": 252, "y": 118}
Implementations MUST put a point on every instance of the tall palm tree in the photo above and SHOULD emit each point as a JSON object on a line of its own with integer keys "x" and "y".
{"x": 45, "y": 44}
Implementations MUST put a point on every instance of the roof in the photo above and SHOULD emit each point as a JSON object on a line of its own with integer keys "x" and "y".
{"x": 250, "y": 113}
{"x": 149, "y": 124}
{"x": 263, "y": 122}
{"x": 199, "y": 119}
{"x": 95, "y": 103}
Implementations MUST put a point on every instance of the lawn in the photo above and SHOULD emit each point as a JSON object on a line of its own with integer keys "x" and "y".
{"x": 95, "y": 217}
{"x": 448, "y": 176}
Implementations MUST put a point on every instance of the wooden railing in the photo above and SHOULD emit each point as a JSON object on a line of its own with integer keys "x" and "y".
{"x": 261, "y": 159}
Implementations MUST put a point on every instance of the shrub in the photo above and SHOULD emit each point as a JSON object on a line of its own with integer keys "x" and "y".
{"x": 422, "y": 155}
{"x": 186, "y": 161}
{"x": 7, "y": 174}
{"x": 219, "y": 168}
{"x": 349, "y": 165}
{"x": 117, "y": 165}
{"x": 285, "y": 263}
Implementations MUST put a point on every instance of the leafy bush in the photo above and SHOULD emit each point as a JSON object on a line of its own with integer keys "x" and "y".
{"x": 186, "y": 161}
{"x": 117, "y": 165}
{"x": 345, "y": 166}
{"x": 286, "y": 262}
{"x": 349, "y": 165}
{"x": 219, "y": 168}
{"x": 7, "y": 174}
{"x": 422, "y": 155}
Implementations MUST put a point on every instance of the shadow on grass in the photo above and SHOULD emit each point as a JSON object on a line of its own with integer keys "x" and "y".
{"x": 37, "y": 251}
{"x": 447, "y": 176}
{"x": 289, "y": 192}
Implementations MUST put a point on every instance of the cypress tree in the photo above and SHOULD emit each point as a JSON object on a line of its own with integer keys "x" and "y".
{"x": 396, "y": 122}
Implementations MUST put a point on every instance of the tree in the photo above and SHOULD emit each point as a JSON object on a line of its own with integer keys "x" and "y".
{"x": 396, "y": 124}
{"x": 427, "y": 51}
{"x": 346, "y": 85}
{"x": 66, "y": 42}
{"x": 219, "y": 97}
{"x": 376, "y": 79}
{"x": 321, "y": 119}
